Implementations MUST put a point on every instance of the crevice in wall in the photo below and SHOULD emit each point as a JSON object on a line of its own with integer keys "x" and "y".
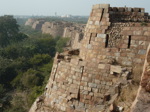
{"x": 90, "y": 38}
{"x": 102, "y": 14}
{"x": 106, "y": 41}
{"x": 129, "y": 41}
{"x": 82, "y": 71}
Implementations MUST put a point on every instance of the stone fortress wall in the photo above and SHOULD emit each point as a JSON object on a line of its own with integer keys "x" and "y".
{"x": 29, "y": 22}
{"x": 55, "y": 28}
{"x": 76, "y": 32}
{"x": 73, "y": 31}
{"x": 38, "y": 24}
{"x": 90, "y": 79}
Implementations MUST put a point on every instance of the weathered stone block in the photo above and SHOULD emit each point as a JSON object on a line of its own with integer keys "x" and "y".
{"x": 97, "y": 23}
{"x": 91, "y": 93}
{"x": 137, "y": 32}
{"x": 131, "y": 55}
{"x": 97, "y": 81}
{"x": 74, "y": 86}
{"x": 89, "y": 46}
{"x": 147, "y": 33}
{"x": 104, "y": 5}
{"x": 116, "y": 69}
{"x": 84, "y": 92}
{"x": 101, "y": 35}
{"x": 95, "y": 90}
{"x": 90, "y": 22}
{"x": 63, "y": 108}
{"x": 92, "y": 85}
{"x": 73, "y": 90}
{"x": 117, "y": 54}
{"x": 101, "y": 66}
{"x": 142, "y": 52}
{"x": 74, "y": 95}
{"x": 85, "y": 79}
{"x": 98, "y": 95}
{"x": 74, "y": 61}
{"x": 97, "y": 6}
{"x": 83, "y": 83}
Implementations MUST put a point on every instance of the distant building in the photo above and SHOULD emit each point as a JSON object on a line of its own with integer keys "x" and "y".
{"x": 66, "y": 16}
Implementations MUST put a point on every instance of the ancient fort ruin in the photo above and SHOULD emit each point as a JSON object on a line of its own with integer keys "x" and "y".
{"x": 73, "y": 31}
{"x": 91, "y": 79}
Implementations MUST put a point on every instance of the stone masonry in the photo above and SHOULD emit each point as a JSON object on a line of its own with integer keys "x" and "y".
{"x": 73, "y": 31}
{"x": 38, "y": 24}
{"x": 55, "y": 28}
{"x": 90, "y": 79}
{"x": 29, "y": 22}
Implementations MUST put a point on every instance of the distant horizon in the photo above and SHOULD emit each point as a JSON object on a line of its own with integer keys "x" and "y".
{"x": 48, "y": 15}
{"x": 50, "y": 8}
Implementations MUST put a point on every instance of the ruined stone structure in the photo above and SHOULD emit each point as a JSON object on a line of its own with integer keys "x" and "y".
{"x": 55, "y": 28}
{"x": 69, "y": 30}
{"x": 66, "y": 30}
{"x": 91, "y": 79}
{"x": 75, "y": 33}
{"x": 37, "y": 25}
{"x": 76, "y": 41}
{"x": 30, "y": 22}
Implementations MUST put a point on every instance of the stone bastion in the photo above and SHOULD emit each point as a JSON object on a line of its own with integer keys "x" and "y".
{"x": 91, "y": 79}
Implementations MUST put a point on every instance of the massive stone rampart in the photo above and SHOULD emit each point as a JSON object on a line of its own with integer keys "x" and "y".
{"x": 30, "y": 22}
{"x": 91, "y": 79}
{"x": 55, "y": 28}
{"x": 69, "y": 30}
{"x": 37, "y": 25}
{"x": 75, "y": 33}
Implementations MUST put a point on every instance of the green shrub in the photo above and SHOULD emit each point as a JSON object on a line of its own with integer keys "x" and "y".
{"x": 32, "y": 78}
{"x": 40, "y": 59}
{"x": 61, "y": 43}
{"x": 2, "y": 90}
{"x": 36, "y": 91}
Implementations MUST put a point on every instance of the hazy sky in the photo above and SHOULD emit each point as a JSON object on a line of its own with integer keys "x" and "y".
{"x": 74, "y": 7}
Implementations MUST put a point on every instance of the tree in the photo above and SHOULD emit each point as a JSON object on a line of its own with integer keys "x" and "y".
{"x": 9, "y": 31}
{"x": 32, "y": 78}
{"x": 40, "y": 59}
{"x": 1, "y": 90}
{"x": 61, "y": 43}
{"x": 46, "y": 45}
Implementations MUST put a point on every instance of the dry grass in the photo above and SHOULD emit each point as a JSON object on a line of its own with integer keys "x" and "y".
{"x": 137, "y": 73}
{"x": 128, "y": 93}
{"x": 127, "y": 96}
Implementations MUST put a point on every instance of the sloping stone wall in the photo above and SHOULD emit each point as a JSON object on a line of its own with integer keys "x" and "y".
{"x": 74, "y": 32}
{"x": 30, "y": 22}
{"x": 37, "y": 25}
{"x": 90, "y": 80}
{"x": 54, "y": 28}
